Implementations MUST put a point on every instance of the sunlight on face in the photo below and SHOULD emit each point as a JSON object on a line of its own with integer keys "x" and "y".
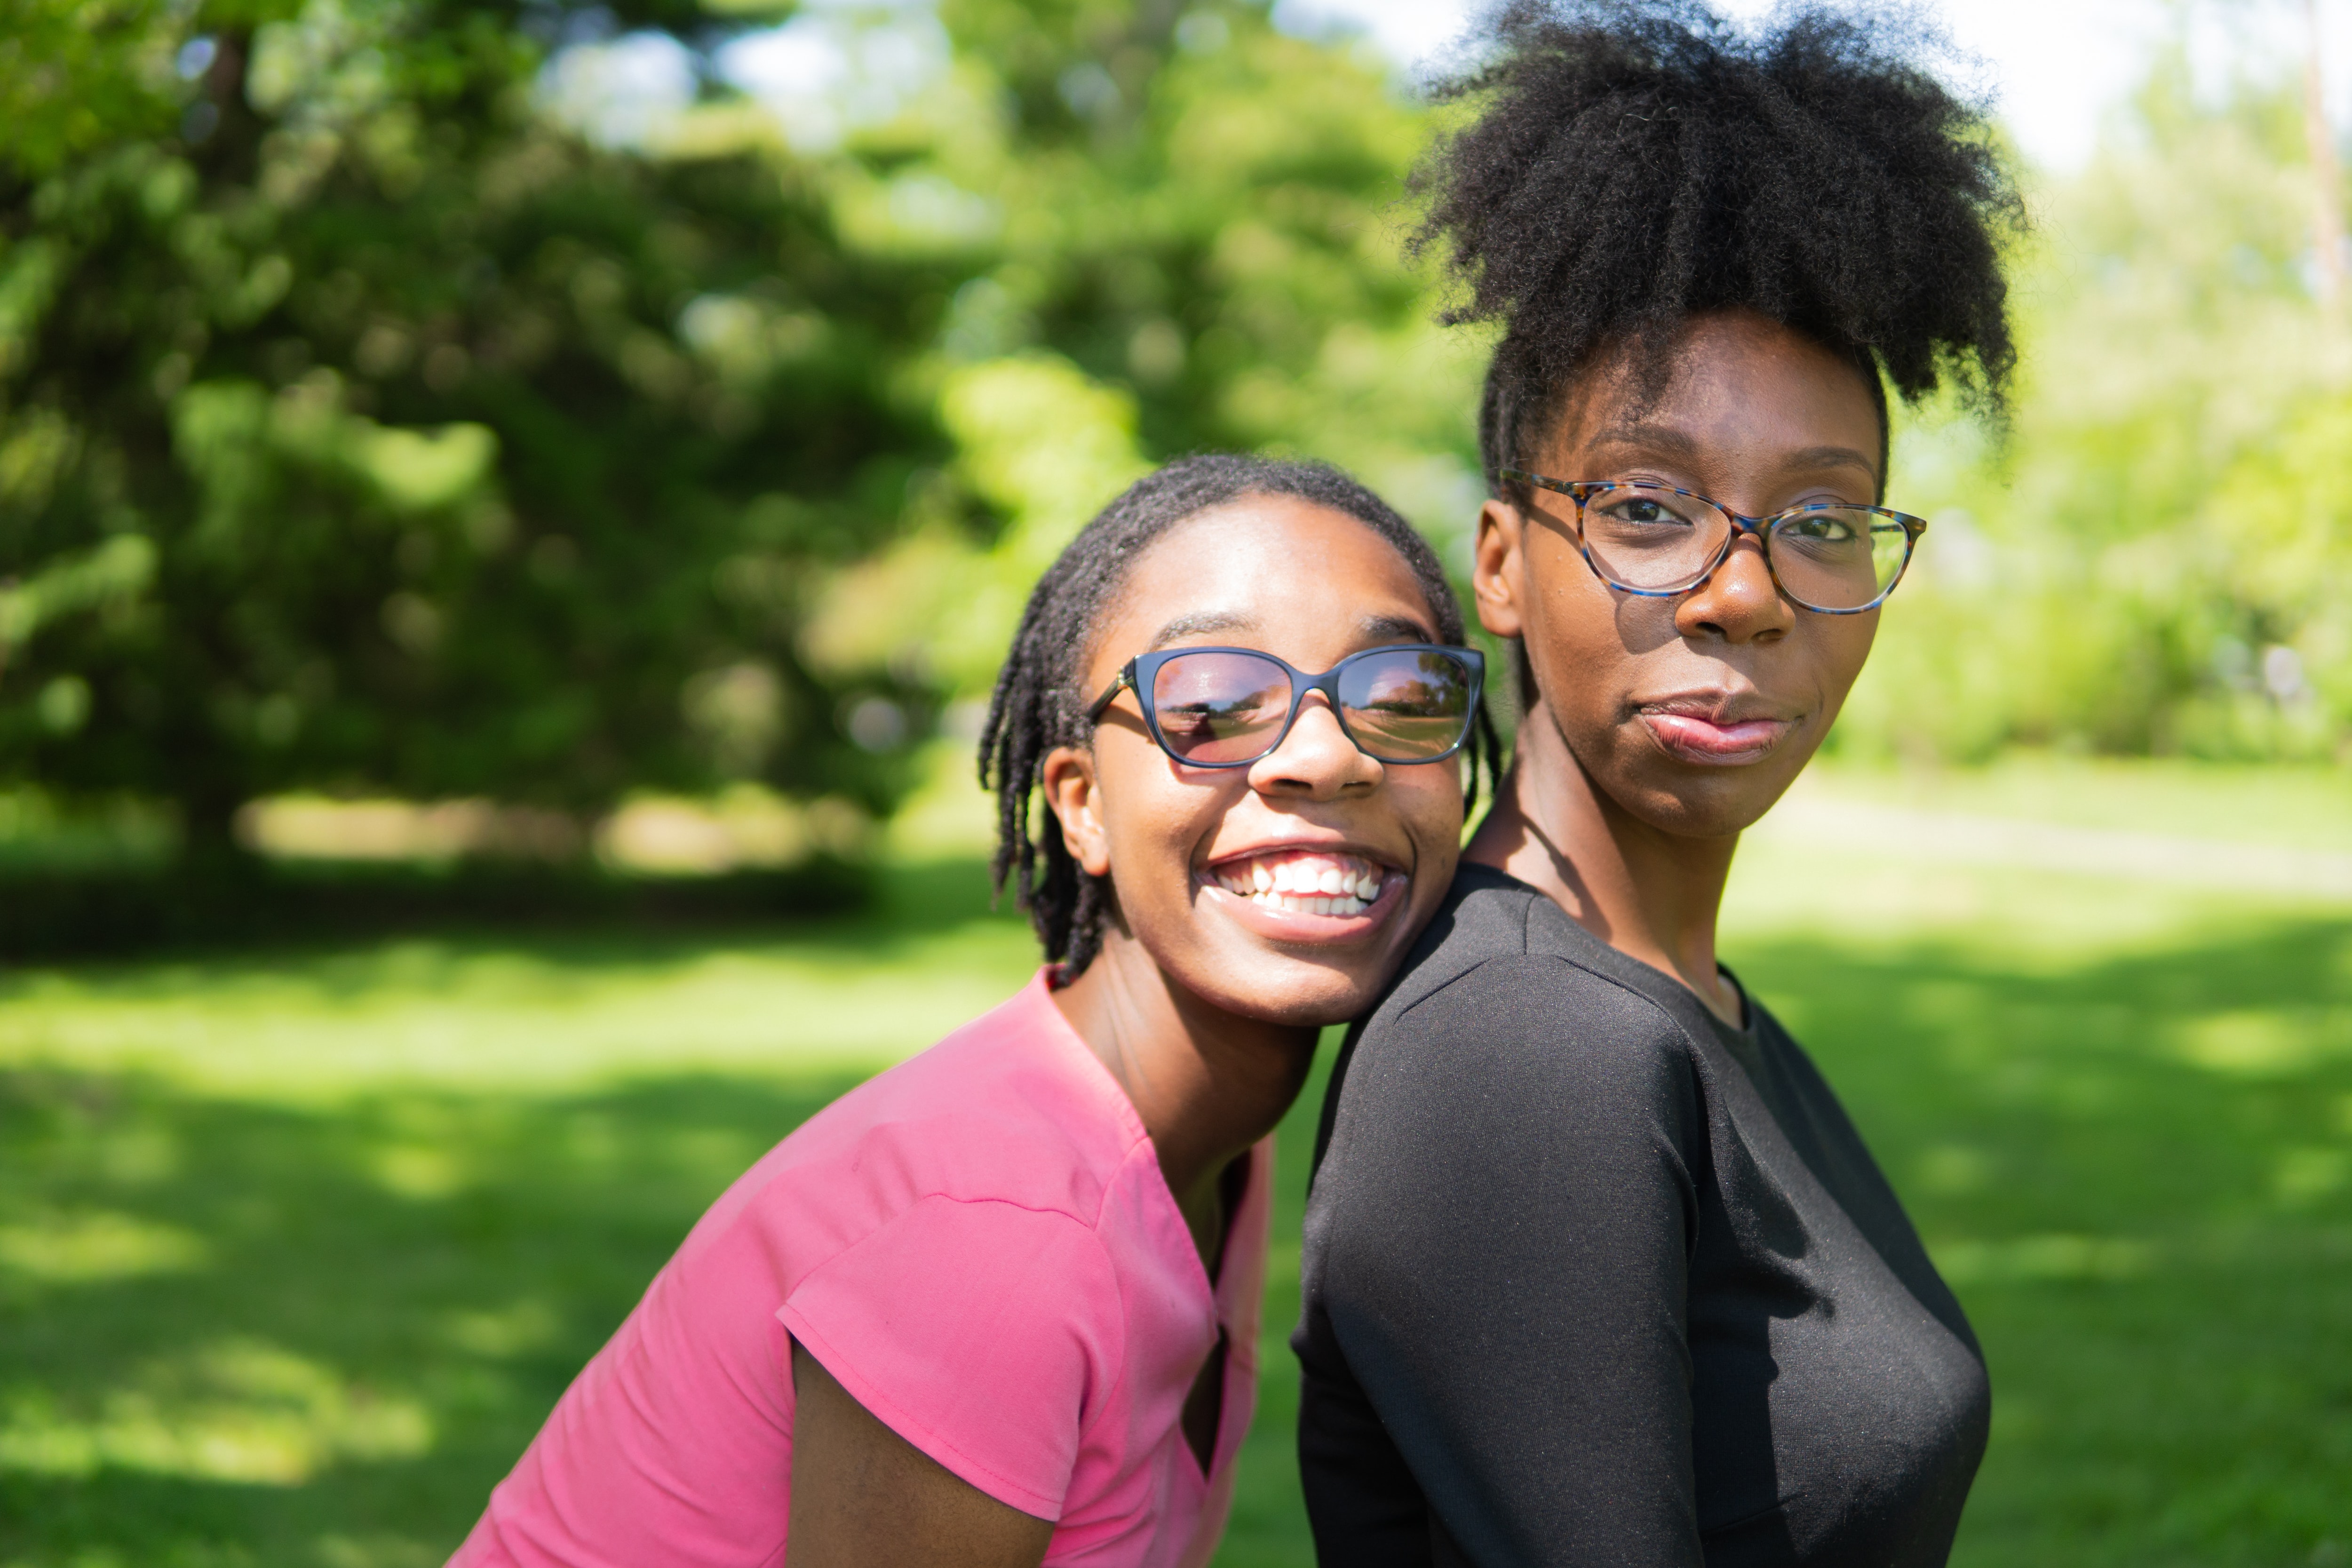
{"x": 1288, "y": 888}
{"x": 1694, "y": 711}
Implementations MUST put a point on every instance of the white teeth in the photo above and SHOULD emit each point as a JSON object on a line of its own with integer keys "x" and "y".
{"x": 1305, "y": 882}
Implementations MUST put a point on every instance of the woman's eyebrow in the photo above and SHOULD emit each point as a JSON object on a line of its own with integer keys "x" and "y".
{"x": 1666, "y": 440}
{"x": 1833, "y": 458}
{"x": 1200, "y": 625}
{"x": 1396, "y": 628}
{"x": 1649, "y": 437}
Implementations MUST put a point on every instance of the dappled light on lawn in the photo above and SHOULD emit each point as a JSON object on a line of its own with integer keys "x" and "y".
{"x": 297, "y": 1249}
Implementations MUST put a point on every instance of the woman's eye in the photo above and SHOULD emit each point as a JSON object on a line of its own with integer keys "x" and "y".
{"x": 1643, "y": 512}
{"x": 1822, "y": 528}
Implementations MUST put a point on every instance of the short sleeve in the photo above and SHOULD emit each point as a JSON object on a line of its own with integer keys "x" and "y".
{"x": 982, "y": 1332}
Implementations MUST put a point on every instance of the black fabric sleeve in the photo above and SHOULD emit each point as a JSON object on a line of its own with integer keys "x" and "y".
{"x": 1504, "y": 1266}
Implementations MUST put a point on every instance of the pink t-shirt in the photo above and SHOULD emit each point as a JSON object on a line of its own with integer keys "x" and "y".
{"x": 978, "y": 1245}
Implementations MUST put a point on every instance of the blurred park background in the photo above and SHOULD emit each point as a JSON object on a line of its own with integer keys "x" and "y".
{"x": 506, "y": 511}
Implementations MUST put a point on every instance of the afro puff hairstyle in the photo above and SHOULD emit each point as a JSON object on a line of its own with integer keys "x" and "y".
{"x": 1634, "y": 163}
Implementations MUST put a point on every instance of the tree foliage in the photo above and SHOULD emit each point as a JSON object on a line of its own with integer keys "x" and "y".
{"x": 386, "y": 405}
{"x": 368, "y": 421}
{"x": 374, "y": 431}
{"x": 2159, "y": 558}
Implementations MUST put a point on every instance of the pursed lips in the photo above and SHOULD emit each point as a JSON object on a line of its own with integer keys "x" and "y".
{"x": 1715, "y": 728}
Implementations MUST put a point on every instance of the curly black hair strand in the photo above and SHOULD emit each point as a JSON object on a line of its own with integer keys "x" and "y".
{"x": 1633, "y": 164}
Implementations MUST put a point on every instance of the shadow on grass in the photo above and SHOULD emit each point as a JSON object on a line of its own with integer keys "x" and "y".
{"x": 234, "y": 1334}
{"x": 65, "y": 912}
{"x": 2137, "y": 1174}
{"x": 895, "y": 910}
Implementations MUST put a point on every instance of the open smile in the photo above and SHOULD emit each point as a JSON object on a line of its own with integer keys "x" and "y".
{"x": 1307, "y": 895}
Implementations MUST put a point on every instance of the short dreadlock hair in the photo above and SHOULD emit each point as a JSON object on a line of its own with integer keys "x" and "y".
{"x": 1633, "y": 164}
{"x": 1038, "y": 704}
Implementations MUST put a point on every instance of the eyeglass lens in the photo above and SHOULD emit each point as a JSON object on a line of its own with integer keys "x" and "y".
{"x": 1409, "y": 705}
{"x": 1828, "y": 558}
{"x": 1406, "y": 706}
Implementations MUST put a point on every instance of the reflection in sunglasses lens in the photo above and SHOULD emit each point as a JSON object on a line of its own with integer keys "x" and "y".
{"x": 1409, "y": 706}
{"x": 1220, "y": 707}
{"x": 1404, "y": 705}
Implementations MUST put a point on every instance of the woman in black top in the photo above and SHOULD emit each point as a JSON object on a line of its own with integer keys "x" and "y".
{"x": 1597, "y": 1269}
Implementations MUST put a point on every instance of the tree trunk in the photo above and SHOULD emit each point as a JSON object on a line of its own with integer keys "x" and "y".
{"x": 2326, "y": 178}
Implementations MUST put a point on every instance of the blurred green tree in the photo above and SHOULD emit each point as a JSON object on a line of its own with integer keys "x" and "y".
{"x": 2156, "y": 561}
{"x": 370, "y": 429}
{"x": 372, "y": 417}
{"x": 1193, "y": 244}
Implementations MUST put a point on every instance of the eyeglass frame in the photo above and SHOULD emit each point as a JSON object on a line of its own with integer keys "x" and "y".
{"x": 1140, "y": 672}
{"x": 1580, "y": 490}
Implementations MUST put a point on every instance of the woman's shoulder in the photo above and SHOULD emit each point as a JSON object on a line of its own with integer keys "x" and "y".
{"x": 1010, "y": 1110}
{"x": 1505, "y": 954}
{"x": 1516, "y": 1042}
{"x": 1507, "y": 1011}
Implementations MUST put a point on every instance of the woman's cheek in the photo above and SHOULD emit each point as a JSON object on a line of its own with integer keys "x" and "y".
{"x": 1430, "y": 797}
{"x": 1154, "y": 831}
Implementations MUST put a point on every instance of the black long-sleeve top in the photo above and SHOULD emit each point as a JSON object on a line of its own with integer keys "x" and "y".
{"x": 1592, "y": 1277}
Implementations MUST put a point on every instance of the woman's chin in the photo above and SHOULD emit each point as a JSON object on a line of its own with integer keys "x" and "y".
{"x": 1699, "y": 803}
{"x": 1683, "y": 812}
{"x": 1285, "y": 966}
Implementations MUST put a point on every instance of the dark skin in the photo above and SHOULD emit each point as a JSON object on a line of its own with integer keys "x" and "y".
{"x": 1668, "y": 726}
{"x": 1203, "y": 1005}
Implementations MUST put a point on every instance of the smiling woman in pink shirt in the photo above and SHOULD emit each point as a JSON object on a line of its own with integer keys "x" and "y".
{"x": 998, "y": 1307}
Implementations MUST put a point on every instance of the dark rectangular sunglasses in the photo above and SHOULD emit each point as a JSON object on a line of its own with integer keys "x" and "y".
{"x": 1229, "y": 707}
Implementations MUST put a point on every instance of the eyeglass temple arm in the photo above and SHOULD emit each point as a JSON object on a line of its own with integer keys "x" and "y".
{"x": 1121, "y": 682}
{"x": 1544, "y": 481}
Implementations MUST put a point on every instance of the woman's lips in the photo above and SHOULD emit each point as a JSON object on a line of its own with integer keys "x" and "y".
{"x": 1696, "y": 738}
{"x": 1303, "y": 896}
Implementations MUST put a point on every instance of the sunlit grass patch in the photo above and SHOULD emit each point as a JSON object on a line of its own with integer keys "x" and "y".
{"x": 537, "y": 1015}
{"x": 237, "y": 1411}
{"x": 55, "y": 1247}
{"x": 297, "y": 1247}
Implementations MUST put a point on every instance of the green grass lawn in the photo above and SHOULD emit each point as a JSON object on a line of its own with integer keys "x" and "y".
{"x": 297, "y": 1248}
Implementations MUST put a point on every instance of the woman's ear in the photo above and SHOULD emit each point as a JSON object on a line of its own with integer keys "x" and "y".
{"x": 1067, "y": 778}
{"x": 1498, "y": 569}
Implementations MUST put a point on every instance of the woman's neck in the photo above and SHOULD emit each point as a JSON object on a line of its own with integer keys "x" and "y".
{"x": 1652, "y": 895}
{"x": 1206, "y": 1083}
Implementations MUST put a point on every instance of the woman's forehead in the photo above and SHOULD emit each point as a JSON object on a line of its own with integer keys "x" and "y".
{"x": 1732, "y": 378}
{"x": 1266, "y": 557}
{"x": 1368, "y": 626}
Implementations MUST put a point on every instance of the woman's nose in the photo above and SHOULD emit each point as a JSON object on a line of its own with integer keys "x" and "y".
{"x": 1316, "y": 760}
{"x": 1739, "y": 602}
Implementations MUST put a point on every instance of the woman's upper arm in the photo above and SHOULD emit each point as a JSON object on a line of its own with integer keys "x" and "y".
{"x": 864, "y": 1497}
{"x": 982, "y": 1332}
{"x": 1505, "y": 1262}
